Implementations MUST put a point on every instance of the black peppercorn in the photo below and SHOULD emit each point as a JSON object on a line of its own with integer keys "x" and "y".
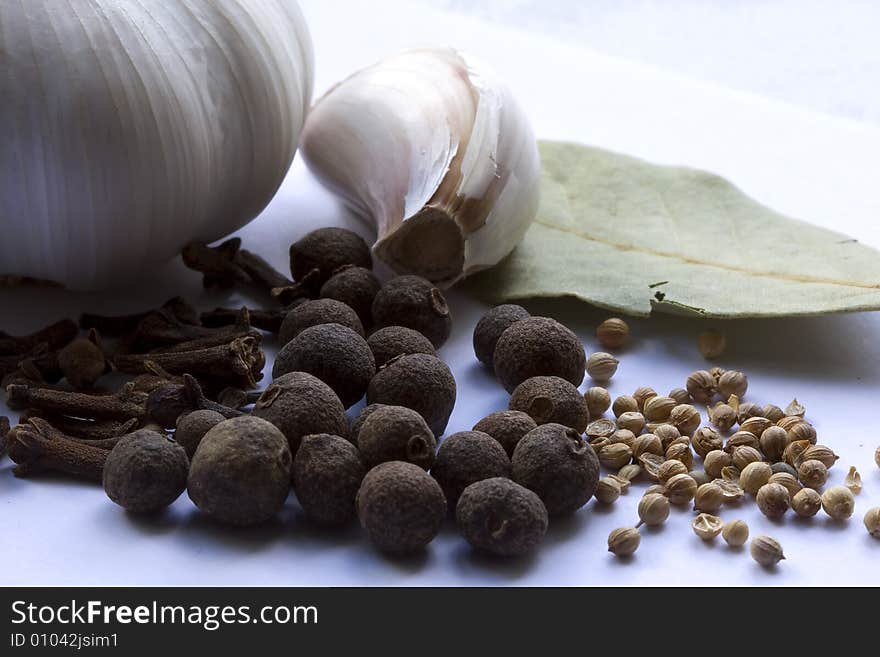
{"x": 557, "y": 464}
{"x": 240, "y": 474}
{"x": 401, "y": 507}
{"x": 356, "y": 287}
{"x": 507, "y": 427}
{"x": 538, "y": 346}
{"x": 192, "y": 427}
{"x": 358, "y": 421}
{"x": 393, "y": 341}
{"x": 326, "y": 250}
{"x": 551, "y": 399}
{"x": 327, "y": 473}
{"x": 501, "y": 517}
{"x": 491, "y": 326}
{"x": 467, "y": 457}
{"x": 395, "y": 433}
{"x": 418, "y": 381}
{"x": 414, "y": 302}
{"x": 333, "y": 353}
{"x": 145, "y": 472}
{"x": 300, "y": 404}
{"x": 313, "y": 313}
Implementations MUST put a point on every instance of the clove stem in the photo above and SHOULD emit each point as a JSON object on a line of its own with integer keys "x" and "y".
{"x": 121, "y": 406}
{"x": 35, "y": 451}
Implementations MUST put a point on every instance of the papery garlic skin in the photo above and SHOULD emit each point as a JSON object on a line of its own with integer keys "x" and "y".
{"x": 437, "y": 153}
{"x": 131, "y": 127}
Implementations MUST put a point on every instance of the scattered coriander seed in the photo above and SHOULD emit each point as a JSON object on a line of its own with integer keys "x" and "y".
{"x": 731, "y": 490}
{"x": 622, "y": 482}
{"x": 633, "y": 421}
{"x": 788, "y": 421}
{"x": 601, "y": 366}
{"x": 501, "y": 517}
{"x": 615, "y": 456}
{"x": 681, "y": 452}
{"x": 803, "y": 431}
{"x": 666, "y": 433}
{"x": 730, "y": 473}
{"x": 782, "y": 467}
{"x": 819, "y": 453}
{"x": 490, "y": 327}
{"x": 685, "y": 418}
{"x": 327, "y": 473}
{"x": 877, "y": 457}
{"x": 701, "y": 386}
{"x": 612, "y": 333}
{"x": 872, "y": 521}
{"x": 709, "y": 497}
{"x": 754, "y": 476}
{"x": 607, "y": 490}
{"x": 795, "y": 408}
{"x": 601, "y": 428}
{"x": 630, "y": 472}
{"x": 705, "y": 440}
{"x": 465, "y": 458}
{"x": 773, "y": 500}
{"x": 657, "y": 488}
{"x": 657, "y": 408}
{"x": 773, "y": 442}
{"x": 755, "y": 425}
{"x": 396, "y": 433}
{"x": 416, "y": 303}
{"x": 647, "y": 442}
{"x": 707, "y": 526}
{"x": 393, "y": 341}
{"x": 651, "y": 464}
{"x": 624, "y": 436}
{"x": 700, "y": 476}
{"x": 792, "y": 485}
{"x": 735, "y": 533}
{"x": 711, "y": 344}
{"x": 772, "y": 412}
{"x": 643, "y": 394}
{"x": 733, "y": 383}
{"x": 766, "y": 551}
{"x": 551, "y": 399}
{"x": 853, "y": 480}
{"x": 623, "y": 542}
{"x": 680, "y": 395}
{"x": 747, "y": 410}
{"x": 722, "y": 416}
{"x": 716, "y": 372}
{"x": 742, "y": 439}
{"x": 315, "y": 313}
{"x": 624, "y": 404}
{"x": 838, "y": 502}
{"x": 812, "y": 473}
{"x": 538, "y": 346}
{"x": 806, "y": 502}
{"x": 742, "y": 456}
{"x": 599, "y": 442}
{"x": 714, "y": 461}
{"x": 793, "y": 452}
{"x": 598, "y": 400}
{"x": 669, "y": 469}
{"x": 653, "y": 509}
{"x": 507, "y": 427}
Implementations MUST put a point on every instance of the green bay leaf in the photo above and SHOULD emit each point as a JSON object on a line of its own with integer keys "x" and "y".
{"x": 633, "y": 237}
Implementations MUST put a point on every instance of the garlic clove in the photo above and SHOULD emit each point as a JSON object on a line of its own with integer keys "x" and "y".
{"x": 435, "y": 152}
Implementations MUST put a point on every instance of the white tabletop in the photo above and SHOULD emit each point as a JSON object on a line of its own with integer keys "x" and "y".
{"x": 808, "y": 164}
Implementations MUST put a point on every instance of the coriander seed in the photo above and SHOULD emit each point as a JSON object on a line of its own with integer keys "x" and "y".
{"x": 742, "y": 439}
{"x": 601, "y": 366}
{"x": 657, "y": 408}
{"x": 709, "y": 497}
{"x": 633, "y": 421}
{"x": 773, "y": 442}
{"x": 730, "y": 489}
{"x": 711, "y": 344}
{"x": 820, "y": 453}
{"x": 773, "y": 500}
{"x": 754, "y": 476}
{"x": 622, "y": 482}
{"x": 766, "y": 551}
{"x": 742, "y": 456}
{"x": 612, "y": 333}
{"x": 607, "y": 490}
{"x": 714, "y": 461}
{"x": 877, "y": 457}
{"x": 666, "y": 433}
{"x": 735, "y": 533}
{"x": 795, "y": 408}
{"x": 722, "y": 416}
{"x": 630, "y": 472}
{"x": 647, "y": 442}
{"x": 623, "y": 542}
{"x": 642, "y": 394}
{"x": 681, "y": 452}
{"x": 853, "y": 480}
{"x": 872, "y": 521}
{"x": 624, "y": 436}
{"x": 655, "y": 488}
{"x": 705, "y": 440}
{"x": 788, "y": 421}
{"x": 701, "y": 386}
{"x": 700, "y": 477}
{"x": 806, "y": 502}
{"x": 602, "y": 428}
{"x": 792, "y": 485}
{"x": 793, "y": 452}
{"x": 624, "y": 404}
{"x": 681, "y": 488}
{"x": 733, "y": 383}
{"x": 802, "y": 430}
{"x": 653, "y": 509}
{"x": 838, "y": 502}
{"x": 598, "y": 400}
{"x": 680, "y": 395}
{"x": 707, "y": 526}
{"x": 615, "y": 455}
{"x": 755, "y": 425}
{"x": 813, "y": 473}
{"x": 685, "y": 418}
{"x": 781, "y": 466}
{"x": 669, "y": 469}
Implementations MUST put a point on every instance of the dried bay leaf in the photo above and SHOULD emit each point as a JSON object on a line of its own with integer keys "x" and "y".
{"x": 631, "y": 236}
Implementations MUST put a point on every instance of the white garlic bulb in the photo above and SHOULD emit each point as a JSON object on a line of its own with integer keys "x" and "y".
{"x": 131, "y": 127}
{"x": 434, "y": 151}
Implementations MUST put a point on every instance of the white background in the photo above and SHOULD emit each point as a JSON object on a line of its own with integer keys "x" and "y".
{"x": 701, "y": 84}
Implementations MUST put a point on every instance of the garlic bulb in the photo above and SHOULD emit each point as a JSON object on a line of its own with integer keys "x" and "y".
{"x": 131, "y": 127}
{"x": 434, "y": 151}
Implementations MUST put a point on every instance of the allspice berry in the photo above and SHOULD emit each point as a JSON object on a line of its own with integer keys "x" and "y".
{"x": 467, "y": 457}
{"x": 192, "y": 427}
{"x": 145, "y": 472}
{"x": 612, "y": 333}
{"x": 400, "y": 506}
{"x": 838, "y": 502}
{"x": 356, "y": 287}
{"x": 551, "y": 399}
{"x": 507, "y": 427}
{"x": 299, "y": 404}
{"x": 501, "y": 517}
{"x": 773, "y": 500}
{"x": 598, "y": 400}
{"x": 240, "y": 474}
{"x": 806, "y": 502}
{"x": 538, "y": 346}
{"x": 396, "y": 433}
{"x": 315, "y": 313}
{"x": 392, "y": 341}
{"x": 490, "y": 327}
{"x": 358, "y": 422}
{"x": 326, "y": 250}
{"x": 327, "y": 473}
{"x": 623, "y": 542}
{"x": 557, "y": 464}
{"x": 334, "y": 354}
{"x": 766, "y": 551}
{"x": 416, "y": 303}
{"x": 601, "y": 366}
{"x": 735, "y": 533}
{"x": 418, "y": 381}
{"x": 653, "y": 509}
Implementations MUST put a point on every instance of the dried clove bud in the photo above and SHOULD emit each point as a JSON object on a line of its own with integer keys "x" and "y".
{"x": 35, "y": 452}
{"x": 83, "y": 429}
{"x": 264, "y": 319}
{"x": 227, "y": 264}
{"x": 83, "y": 362}
{"x": 119, "y": 325}
{"x": 124, "y": 405}
{"x": 160, "y": 331}
{"x": 167, "y": 403}
{"x": 53, "y": 336}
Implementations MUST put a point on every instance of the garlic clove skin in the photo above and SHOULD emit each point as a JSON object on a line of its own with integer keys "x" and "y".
{"x": 131, "y": 128}
{"x": 436, "y": 152}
